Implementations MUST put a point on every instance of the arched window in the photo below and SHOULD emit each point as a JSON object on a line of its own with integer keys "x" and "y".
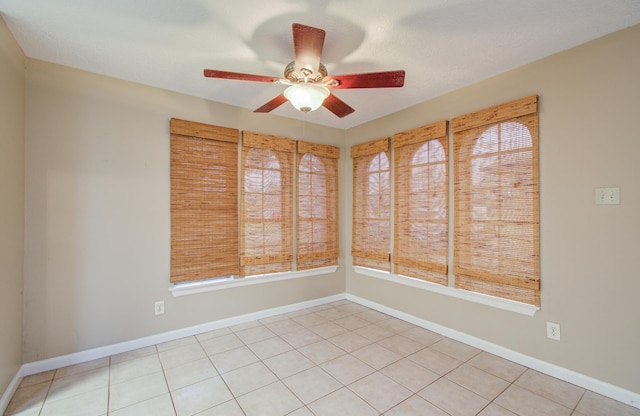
{"x": 266, "y": 205}
{"x": 421, "y": 203}
{"x": 317, "y": 199}
{"x": 371, "y": 205}
{"x": 497, "y": 206}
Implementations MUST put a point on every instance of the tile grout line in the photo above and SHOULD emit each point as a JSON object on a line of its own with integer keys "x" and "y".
{"x": 109, "y": 387}
{"x": 173, "y": 404}
{"x": 234, "y": 398}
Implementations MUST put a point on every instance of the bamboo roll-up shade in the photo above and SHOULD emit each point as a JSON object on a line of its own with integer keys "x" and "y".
{"x": 420, "y": 135}
{"x": 371, "y": 205}
{"x": 496, "y": 114}
{"x": 370, "y": 148}
{"x": 317, "y": 205}
{"x": 278, "y": 144}
{"x": 321, "y": 150}
{"x": 421, "y": 203}
{"x": 496, "y": 193}
{"x": 266, "y": 204}
{"x": 204, "y": 131}
{"x": 204, "y": 201}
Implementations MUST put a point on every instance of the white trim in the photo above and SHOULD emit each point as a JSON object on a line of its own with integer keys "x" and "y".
{"x": 589, "y": 383}
{"x": 11, "y": 390}
{"x": 481, "y": 298}
{"x": 190, "y": 288}
{"x": 597, "y": 386}
{"x": 108, "y": 350}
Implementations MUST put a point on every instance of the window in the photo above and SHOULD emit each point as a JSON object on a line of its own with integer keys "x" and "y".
{"x": 421, "y": 225}
{"x": 496, "y": 226}
{"x": 204, "y": 201}
{"x": 497, "y": 201}
{"x": 211, "y": 238}
{"x": 266, "y": 204}
{"x": 371, "y": 205}
{"x": 317, "y": 205}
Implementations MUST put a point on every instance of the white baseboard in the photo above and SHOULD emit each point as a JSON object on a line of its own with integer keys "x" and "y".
{"x": 101, "y": 352}
{"x": 10, "y": 390}
{"x": 589, "y": 383}
{"x": 108, "y": 350}
{"x": 597, "y": 386}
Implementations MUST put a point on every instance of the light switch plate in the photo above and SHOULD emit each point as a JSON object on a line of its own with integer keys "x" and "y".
{"x": 607, "y": 196}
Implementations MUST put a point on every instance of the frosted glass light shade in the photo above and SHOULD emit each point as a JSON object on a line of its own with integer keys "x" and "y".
{"x": 306, "y": 97}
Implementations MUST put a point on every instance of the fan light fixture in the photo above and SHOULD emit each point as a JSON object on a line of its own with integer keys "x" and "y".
{"x": 306, "y": 97}
{"x": 307, "y": 79}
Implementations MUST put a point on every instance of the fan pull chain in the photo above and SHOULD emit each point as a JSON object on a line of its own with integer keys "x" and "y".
{"x": 304, "y": 126}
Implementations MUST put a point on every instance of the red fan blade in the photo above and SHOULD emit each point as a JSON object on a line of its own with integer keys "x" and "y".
{"x": 272, "y": 105}
{"x": 337, "y": 106}
{"x": 371, "y": 80}
{"x": 307, "y": 46}
{"x": 212, "y": 73}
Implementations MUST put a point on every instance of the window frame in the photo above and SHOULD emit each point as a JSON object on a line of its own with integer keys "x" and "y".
{"x": 308, "y": 256}
{"x": 504, "y": 112}
{"x": 279, "y": 261}
{"x": 366, "y": 250}
{"x": 468, "y": 130}
{"x": 405, "y": 147}
{"x": 195, "y": 130}
{"x": 191, "y": 254}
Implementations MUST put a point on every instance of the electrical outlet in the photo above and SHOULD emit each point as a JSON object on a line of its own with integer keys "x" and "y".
{"x": 607, "y": 196}
{"x": 159, "y": 307}
{"x": 553, "y": 331}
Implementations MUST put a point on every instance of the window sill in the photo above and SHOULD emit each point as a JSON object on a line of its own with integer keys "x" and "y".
{"x": 190, "y": 288}
{"x": 493, "y": 301}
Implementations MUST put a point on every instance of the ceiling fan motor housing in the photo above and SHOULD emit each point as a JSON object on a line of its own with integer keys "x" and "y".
{"x": 304, "y": 75}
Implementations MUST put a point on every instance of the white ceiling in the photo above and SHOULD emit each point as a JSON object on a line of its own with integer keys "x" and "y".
{"x": 442, "y": 44}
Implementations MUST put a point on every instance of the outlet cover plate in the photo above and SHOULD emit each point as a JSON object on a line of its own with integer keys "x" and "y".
{"x": 159, "y": 307}
{"x": 553, "y": 331}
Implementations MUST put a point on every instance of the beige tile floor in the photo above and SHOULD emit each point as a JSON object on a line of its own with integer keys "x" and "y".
{"x": 336, "y": 359}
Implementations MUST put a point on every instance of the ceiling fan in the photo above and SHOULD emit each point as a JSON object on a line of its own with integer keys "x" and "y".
{"x": 308, "y": 80}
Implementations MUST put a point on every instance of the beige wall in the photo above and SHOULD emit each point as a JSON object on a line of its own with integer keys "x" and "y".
{"x": 97, "y": 234}
{"x": 12, "y": 102}
{"x": 589, "y": 110}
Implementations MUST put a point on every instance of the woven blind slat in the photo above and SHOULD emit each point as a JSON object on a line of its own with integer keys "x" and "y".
{"x": 421, "y": 203}
{"x": 204, "y": 213}
{"x": 364, "y": 255}
{"x": 497, "y": 207}
{"x": 424, "y": 265}
{"x": 504, "y": 278}
{"x": 266, "y": 204}
{"x": 317, "y": 205}
{"x": 371, "y": 205}
{"x": 265, "y": 259}
{"x": 318, "y": 255}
